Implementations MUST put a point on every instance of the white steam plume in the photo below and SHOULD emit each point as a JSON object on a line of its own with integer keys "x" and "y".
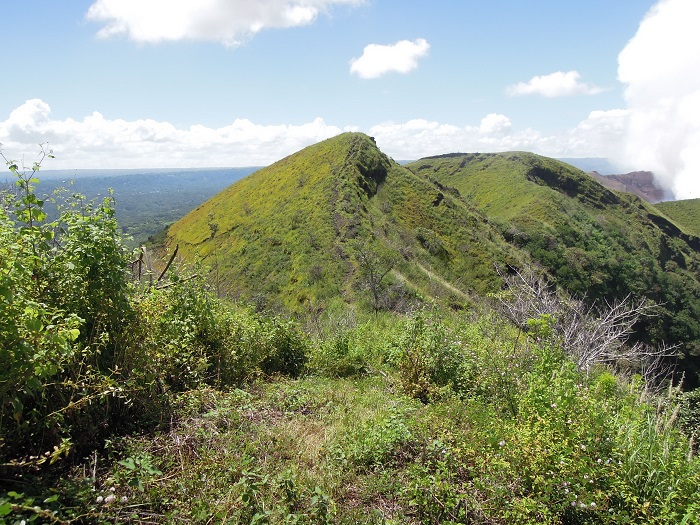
{"x": 661, "y": 69}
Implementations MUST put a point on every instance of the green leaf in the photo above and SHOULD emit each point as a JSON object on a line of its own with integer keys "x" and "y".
{"x": 72, "y": 334}
{"x": 33, "y": 324}
{"x": 128, "y": 463}
{"x": 18, "y": 407}
{"x": 34, "y": 383}
{"x": 5, "y": 509}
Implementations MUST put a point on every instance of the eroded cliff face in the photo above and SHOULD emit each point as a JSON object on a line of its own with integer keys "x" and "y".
{"x": 639, "y": 183}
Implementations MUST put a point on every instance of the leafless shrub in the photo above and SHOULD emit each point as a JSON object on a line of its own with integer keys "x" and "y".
{"x": 592, "y": 334}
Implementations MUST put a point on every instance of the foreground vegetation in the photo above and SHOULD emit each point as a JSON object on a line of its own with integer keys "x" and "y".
{"x": 125, "y": 402}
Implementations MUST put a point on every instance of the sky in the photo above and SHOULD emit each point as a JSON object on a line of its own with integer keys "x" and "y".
{"x": 224, "y": 83}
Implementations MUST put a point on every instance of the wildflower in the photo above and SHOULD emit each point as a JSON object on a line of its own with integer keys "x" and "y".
{"x": 124, "y": 499}
{"x": 582, "y": 505}
{"x": 502, "y": 444}
{"x": 110, "y": 499}
{"x": 583, "y": 447}
{"x": 573, "y": 503}
{"x": 593, "y": 505}
{"x": 554, "y": 405}
{"x": 100, "y": 499}
{"x": 568, "y": 421}
{"x": 599, "y": 461}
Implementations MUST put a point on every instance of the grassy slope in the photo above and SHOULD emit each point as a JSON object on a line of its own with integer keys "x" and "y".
{"x": 285, "y": 234}
{"x": 685, "y": 213}
{"x": 595, "y": 242}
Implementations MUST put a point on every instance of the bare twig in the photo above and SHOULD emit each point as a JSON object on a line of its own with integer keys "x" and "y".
{"x": 590, "y": 334}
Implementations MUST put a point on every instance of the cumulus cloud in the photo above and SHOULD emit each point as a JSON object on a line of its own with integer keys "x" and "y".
{"x": 597, "y": 136}
{"x": 230, "y": 22}
{"x": 401, "y": 57}
{"x": 559, "y": 84}
{"x": 495, "y": 124}
{"x": 659, "y": 67}
{"x": 97, "y": 142}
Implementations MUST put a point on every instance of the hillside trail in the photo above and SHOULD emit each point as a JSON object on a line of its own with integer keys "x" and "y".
{"x": 433, "y": 277}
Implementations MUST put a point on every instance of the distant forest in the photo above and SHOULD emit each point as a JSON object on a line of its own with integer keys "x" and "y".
{"x": 146, "y": 200}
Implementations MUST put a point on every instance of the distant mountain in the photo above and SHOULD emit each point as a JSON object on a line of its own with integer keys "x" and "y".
{"x": 639, "y": 183}
{"x": 313, "y": 230}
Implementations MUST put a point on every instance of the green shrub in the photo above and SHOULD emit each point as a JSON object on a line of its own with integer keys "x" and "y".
{"x": 63, "y": 302}
{"x": 431, "y": 359}
{"x": 337, "y": 356}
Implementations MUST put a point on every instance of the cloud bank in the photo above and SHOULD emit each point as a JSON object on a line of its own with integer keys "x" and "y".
{"x": 659, "y": 67}
{"x": 97, "y": 142}
{"x": 559, "y": 84}
{"x": 598, "y": 136}
{"x": 230, "y": 22}
{"x": 401, "y": 57}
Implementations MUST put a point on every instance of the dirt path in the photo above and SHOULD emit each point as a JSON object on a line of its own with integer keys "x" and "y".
{"x": 433, "y": 277}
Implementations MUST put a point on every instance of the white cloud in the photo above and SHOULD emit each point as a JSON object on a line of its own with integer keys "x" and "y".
{"x": 495, "y": 124}
{"x": 97, "y": 142}
{"x": 659, "y": 67}
{"x": 401, "y": 57}
{"x": 557, "y": 84}
{"x": 230, "y": 22}
{"x": 597, "y": 136}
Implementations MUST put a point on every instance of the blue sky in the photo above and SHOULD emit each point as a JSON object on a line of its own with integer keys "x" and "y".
{"x": 156, "y": 83}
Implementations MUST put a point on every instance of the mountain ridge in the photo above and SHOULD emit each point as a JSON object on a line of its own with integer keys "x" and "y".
{"x": 302, "y": 235}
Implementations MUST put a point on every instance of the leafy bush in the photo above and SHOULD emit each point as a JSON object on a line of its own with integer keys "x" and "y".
{"x": 63, "y": 302}
{"x": 185, "y": 338}
{"x": 431, "y": 359}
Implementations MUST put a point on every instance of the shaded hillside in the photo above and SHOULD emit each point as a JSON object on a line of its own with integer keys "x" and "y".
{"x": 307, "y": 231}
{"x": 685, "y": 213}
{"x": 597, "y": 243}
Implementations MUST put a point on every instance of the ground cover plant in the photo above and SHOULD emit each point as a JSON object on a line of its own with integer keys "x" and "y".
{"x": 130, "y": 402}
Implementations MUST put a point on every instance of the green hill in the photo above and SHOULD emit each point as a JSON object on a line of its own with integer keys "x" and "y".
{"x": 320, "y": 225}
{"x": 340, "y": 223}
{"x": 597, "y": 243}
{"x": 685, "y": 213}
{"x": 127, "y": 402}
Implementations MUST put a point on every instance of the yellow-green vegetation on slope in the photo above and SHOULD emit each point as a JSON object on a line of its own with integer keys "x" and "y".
{"x": 685, "y": 213}
{"x": 123, "y": 402}
{"x": 306, "y": 231}
{"x": 597, "y": 243}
